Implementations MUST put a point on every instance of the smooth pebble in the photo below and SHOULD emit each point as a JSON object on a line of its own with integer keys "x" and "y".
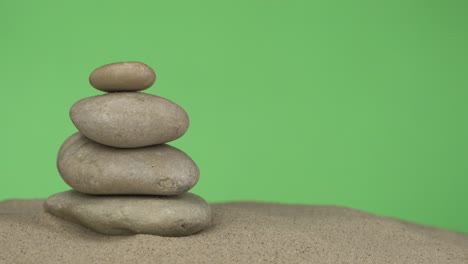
{"x": 93, "y": 168}
{"x": 128, "y": 76}
{"x": 129, "y": 120}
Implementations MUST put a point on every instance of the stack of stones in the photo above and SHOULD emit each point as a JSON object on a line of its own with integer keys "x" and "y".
{"x": 125, "y": 179}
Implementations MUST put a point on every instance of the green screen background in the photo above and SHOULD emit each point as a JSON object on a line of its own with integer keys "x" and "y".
{"x": 356, "y": 103}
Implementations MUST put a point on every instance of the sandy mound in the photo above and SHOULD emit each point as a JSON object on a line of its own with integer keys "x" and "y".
{"x": 241, "y": 233}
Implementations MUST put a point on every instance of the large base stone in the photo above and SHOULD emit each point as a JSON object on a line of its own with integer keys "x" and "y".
{"x": 180, "y": 215}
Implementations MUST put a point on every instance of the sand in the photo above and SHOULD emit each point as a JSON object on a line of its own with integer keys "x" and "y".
{"x": 242, "y": 232}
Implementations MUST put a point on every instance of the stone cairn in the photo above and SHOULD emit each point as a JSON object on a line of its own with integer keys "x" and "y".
{"x": 126, "y": 180}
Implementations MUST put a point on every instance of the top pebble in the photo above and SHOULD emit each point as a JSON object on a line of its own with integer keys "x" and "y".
{"x": 129, "y": 76}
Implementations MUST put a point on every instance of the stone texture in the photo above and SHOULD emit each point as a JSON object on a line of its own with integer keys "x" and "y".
{"x": 180, "y": 215}
{"x": 129, "y": 120}
{"x": 93, "y": 168}
{"x": 122, "y": 77}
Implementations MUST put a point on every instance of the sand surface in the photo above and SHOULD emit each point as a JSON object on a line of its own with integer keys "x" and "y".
{"x": 241, "y": 233}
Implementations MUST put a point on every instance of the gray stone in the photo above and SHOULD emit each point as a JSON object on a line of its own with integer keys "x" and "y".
{"x": 180, "y": 215}
{"x": 129, "y": 120}
{"x": 90, "y": 167}
{"x": 122, "y": 77}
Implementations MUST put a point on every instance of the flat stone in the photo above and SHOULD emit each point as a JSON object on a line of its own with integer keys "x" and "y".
{"x": 129, "y": 120}
{"x": 93, "y": 168}
{"x": 122, "y": 77}
{"x": 180, "y": 215}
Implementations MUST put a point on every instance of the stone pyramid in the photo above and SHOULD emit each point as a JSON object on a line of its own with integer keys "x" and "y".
{"x": 126, "y": 180}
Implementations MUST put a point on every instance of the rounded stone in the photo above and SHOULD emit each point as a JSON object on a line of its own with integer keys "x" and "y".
{"x": 129, "y": 120}
{"x": 180, "y": 215}
{"x": 128, "y": 76}
{"x": 93, "y": 168}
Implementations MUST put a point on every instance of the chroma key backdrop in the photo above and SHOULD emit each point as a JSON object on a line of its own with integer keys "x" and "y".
{"x": 356, "y": 103}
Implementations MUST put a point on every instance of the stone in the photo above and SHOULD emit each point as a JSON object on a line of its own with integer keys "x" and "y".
{"x": 129, "y": 120}
{"x": 122, "y": 77}
{"x": 92, "y": 168}
{"x": 181, "y": 215}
